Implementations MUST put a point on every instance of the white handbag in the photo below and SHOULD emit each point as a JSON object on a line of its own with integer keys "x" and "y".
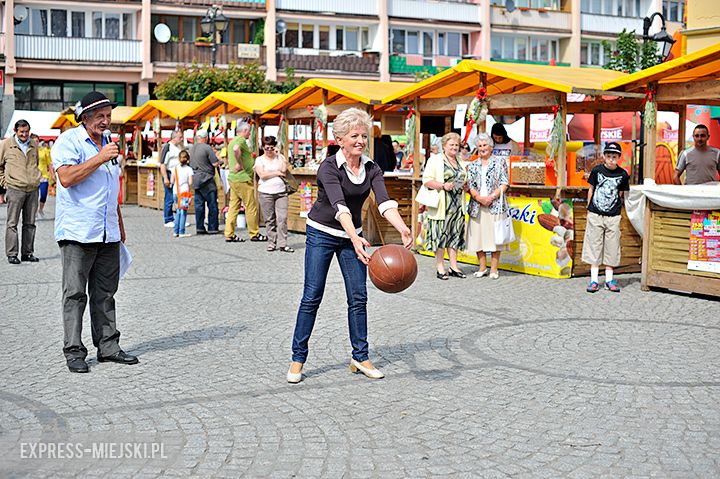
{"x": 428, "y": 197}
{"x": 504, "y": 231}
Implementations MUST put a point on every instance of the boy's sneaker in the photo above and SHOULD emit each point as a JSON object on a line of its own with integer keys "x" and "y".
{"x": 612, "y": 286}
{"x": 593, "y": 287}
{"x": 169, "y": 224}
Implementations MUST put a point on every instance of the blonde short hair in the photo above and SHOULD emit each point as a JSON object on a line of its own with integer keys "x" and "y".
{"x": 449, "y": 136}
{"x": 349, "y": 119}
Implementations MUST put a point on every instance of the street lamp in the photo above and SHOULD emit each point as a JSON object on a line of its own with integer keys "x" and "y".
{"x": 214, "y": 22}
{"x": 662, "y": 38}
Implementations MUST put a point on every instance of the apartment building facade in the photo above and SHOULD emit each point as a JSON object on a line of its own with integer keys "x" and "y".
{"x": 52, "y": 53}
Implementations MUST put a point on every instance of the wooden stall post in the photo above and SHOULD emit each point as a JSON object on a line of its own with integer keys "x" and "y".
{"x": 681, "y": 128}
{"x": 225, "y": 133}
{"x": 371, "y": 136}
{"x": 526, "y": 134}
{"x": 286, "y": 146}
{"x": 325, "y": 129}
{"x": 650, "y": 141}
{"x": 158, "y": 139}
{"x": 416, "y": 173}
{"x": 597, "y": 129}
{"x": 482, "y": 125}
{"x": 561, "y": 164}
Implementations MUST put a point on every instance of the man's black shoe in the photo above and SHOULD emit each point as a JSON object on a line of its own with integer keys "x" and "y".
{"x": 77, "y": 365}
{"x": 120, "y": 357}
{"x": 201, "y": 232}
{"x": 13, "y": 260}
{"x": 29, "y": 258}
{"x": 213, "y": 232}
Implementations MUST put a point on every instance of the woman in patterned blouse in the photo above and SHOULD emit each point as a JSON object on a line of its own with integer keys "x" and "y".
{"x": 487, "y": 181}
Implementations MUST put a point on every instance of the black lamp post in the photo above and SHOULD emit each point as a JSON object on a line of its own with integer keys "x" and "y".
{"x": 662, "y": 38}
{"x": 214, "y": 22}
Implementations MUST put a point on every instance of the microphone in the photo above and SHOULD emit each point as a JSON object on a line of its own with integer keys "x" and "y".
{"x": 106, "y": 136}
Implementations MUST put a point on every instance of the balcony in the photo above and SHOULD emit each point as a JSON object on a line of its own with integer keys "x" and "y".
{"x": 609, "y": 24}
{"x": 95, "y": 50}
{"x": 254, "y": 4}
{"x": 406, "y": 64}
{"x": 347, "y": 7}
{"x": 437, "y": 10}
{"x": 189, "y": 52}
{"x": 531, "y": 19}
{"x": 314, "y": 60}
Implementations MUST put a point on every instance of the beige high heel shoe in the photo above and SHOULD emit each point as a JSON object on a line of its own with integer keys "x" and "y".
{"x": 294, "y": 378}
{"x": 356, "y": 367}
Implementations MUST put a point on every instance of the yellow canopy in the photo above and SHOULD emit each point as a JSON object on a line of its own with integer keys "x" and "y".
{"x": 464, "y": 79}
{"x": 339, "y": 92}
{"x": 699, "y": 66}
{"x": 164, "y": 108}
{"x": 67, "y": 117}
{"x": 237, "y": 103}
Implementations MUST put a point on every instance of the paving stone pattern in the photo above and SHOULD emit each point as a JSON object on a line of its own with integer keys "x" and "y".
{"x": 519, "y": 377}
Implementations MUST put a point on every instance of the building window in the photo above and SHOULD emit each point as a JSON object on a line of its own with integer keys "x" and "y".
{"x": 47, "y": 95}
{"x": 325, "y": 37}
{"x": 58, "y": 23}
{"x": 592, "y": 53}
{"x": 524, "y": 48}
{"x": 619, "y": 8}
{"x": 673, "y": 10}
{"x": 78, "y": 25}
{"x": 546, "y": 4}
{"x": 443, "y": 43}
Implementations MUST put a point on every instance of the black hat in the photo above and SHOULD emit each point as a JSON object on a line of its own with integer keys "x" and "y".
{"x": 612, "y": 147}
{"x": 92, "y": 101}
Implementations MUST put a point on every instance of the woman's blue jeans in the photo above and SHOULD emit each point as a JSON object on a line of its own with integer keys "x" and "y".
{"x": 319, "y": 250}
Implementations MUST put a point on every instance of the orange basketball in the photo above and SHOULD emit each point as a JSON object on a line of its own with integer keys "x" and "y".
{"x": 392, "y": 268}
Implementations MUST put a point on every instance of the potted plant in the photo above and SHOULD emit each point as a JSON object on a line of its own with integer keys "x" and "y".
{"x": 203, "y": 42}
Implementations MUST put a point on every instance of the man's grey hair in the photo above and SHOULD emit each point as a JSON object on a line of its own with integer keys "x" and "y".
{"x": 242, "y": 126}
{"x": 176, "y": 134}
{"x": 484, "y": 137}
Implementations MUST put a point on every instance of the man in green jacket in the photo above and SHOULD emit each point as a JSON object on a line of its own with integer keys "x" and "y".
{"x": 20, "y": 175}
{"x": 241, "y": 179}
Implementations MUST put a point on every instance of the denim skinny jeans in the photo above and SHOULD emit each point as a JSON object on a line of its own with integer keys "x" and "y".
{"x": 319, "y": 250}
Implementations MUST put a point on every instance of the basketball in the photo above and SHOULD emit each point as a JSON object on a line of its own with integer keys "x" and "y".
{"x": 392, "y": 268}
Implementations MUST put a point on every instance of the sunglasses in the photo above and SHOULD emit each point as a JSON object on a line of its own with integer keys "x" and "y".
{"x": 266, "y": 147}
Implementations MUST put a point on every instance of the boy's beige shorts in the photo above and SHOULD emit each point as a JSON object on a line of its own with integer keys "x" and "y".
{"x": 602, "y": 240}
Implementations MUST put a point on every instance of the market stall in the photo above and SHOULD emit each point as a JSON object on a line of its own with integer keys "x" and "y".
{"x": 155, "y": 115}
{"x": 316, "y": 102}
{"x": 548, "y": 191}
{"x": 679, "y": 223}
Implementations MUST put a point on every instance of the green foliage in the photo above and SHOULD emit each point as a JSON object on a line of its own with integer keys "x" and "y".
{"x": 259, "y": 32}
{"x": 198, "y": 81}
{"x": 629, "y": 55}
{"x": 291, "y": 82}
{"x": 423, "y": 74}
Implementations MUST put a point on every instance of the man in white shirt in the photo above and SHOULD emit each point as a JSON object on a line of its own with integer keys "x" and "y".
{"x": 168, "y": 161}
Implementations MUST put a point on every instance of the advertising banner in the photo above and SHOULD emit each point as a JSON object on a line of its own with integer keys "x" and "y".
{"x": 705, "y": 241}
{"x": 545, "y": 234}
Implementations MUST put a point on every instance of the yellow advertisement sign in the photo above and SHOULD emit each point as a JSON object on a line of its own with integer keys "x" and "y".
{"x": 544, "y": 232}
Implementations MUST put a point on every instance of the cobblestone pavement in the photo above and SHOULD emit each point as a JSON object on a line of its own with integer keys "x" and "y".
{"x": 520, "y": 377}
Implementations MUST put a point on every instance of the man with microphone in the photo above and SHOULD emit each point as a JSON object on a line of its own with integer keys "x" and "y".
{"x": 89, "y": 229}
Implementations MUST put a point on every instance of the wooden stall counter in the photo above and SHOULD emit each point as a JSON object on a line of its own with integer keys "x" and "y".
{"x": 151, "y": 192}
{"x": 666, "y": 253}
{"x": 130, "y": 183}
{"x": 631, "y": 242}
{"x": 376, "y": 229}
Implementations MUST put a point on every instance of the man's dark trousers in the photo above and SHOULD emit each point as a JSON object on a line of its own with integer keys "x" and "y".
{"x": 94, "y": 267}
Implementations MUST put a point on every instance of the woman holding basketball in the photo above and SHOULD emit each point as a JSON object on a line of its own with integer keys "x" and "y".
{"x": 333, "y": 228}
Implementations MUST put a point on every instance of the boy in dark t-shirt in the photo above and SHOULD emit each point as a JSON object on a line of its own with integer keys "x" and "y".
{"x": 601, "y": 244}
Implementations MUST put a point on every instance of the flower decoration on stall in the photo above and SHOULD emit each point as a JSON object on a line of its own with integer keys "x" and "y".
{"x": 222, "y": 122}
{"x": 555, "y": 139}
{"x": 282, "y": 133}
{"x": 650, "y": 112}
{"x": 321, "y": 116}
{"x": 410, "y": 131}
{"x": 477, "y": 111}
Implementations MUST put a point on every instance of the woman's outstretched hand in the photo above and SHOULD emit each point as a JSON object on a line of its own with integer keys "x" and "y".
{"x": 360, "y": 244}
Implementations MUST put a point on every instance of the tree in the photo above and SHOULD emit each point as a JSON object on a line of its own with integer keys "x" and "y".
{"x": 630, "y": 56}
{"x": 198, "y": 81}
